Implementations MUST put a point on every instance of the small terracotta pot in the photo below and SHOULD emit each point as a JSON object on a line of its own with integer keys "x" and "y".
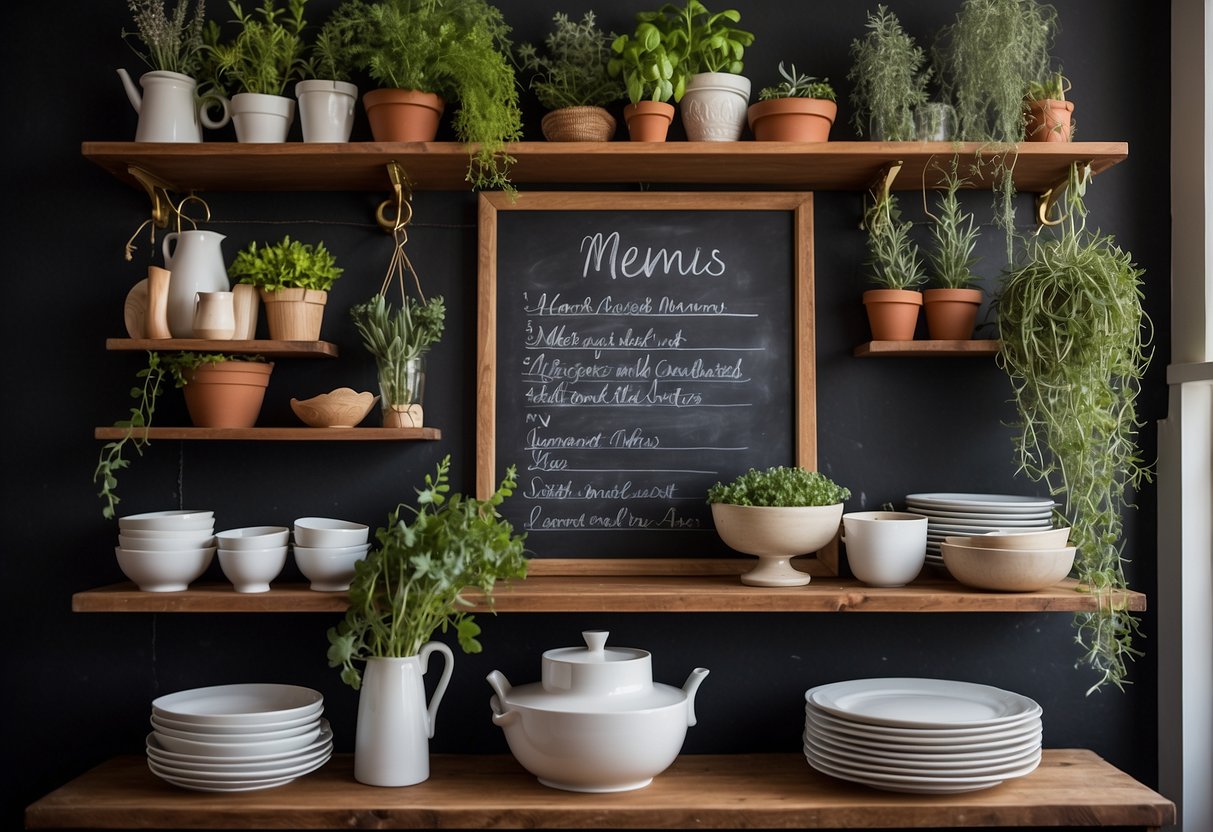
{"x": 951, "y": 313}
{"x": 227, "y": 394}
{"x": 1048, "y": 120}
{"x": 403, "y": 115}
{"x": 294, "y": 314}
{"x": 892, "y": 313}
{"x": 792, "y": 119}
{"x": 648, "y": 121}
{"x": 579, "y": 124}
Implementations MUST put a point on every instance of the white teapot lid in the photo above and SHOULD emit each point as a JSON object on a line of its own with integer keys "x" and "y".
{"x": 597, "y": 669}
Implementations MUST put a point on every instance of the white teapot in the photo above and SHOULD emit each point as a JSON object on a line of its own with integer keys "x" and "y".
{"x": 596, "y": 722}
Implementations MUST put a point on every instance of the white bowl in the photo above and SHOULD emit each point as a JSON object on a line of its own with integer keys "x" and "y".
{"x": 195, "y": 540}
{"x": 327, "y": 533}
{"x": 239, "y": 704}
{"x": 253, "y": 537}
{"x": 156, "y": 534}
{"x": 251, "y": 570}
{"x": 329, "y": 570}
{"x": 164, "y": 571}
{"x": 184, "y": 520}
{"x": 1007, "y": 570}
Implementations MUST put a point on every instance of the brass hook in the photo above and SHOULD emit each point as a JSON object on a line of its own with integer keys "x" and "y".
{"x": 880, "y": 188}
{"x": 157, "y": 191}
{"x": 178, "y": 209}
{"x": 401, "y": 201}
{"x": 1046, "y": 200}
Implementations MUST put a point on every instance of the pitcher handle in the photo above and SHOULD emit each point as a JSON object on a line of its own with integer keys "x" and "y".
{"x": 205, "y": 102}
{"x": 170, "y": 237}
{"x": 431, "y": 713}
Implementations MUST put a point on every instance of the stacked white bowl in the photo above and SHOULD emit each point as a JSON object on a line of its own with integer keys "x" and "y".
{"x": 233, "y": 738}
{"x": 926, "y": 736}
{"x": 326, "y": 550}
{"x": 1010, "y": 560}
{"x": 972, "y": 514}
{"x": 253, "y": 556}
{"x": 164, "y": 551}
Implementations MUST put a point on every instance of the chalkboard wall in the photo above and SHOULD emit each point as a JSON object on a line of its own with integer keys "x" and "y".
{"x": 78, "y": 687}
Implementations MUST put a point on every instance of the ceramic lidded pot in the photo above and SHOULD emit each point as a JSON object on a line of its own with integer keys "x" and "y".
{"x": 597, "y": 722}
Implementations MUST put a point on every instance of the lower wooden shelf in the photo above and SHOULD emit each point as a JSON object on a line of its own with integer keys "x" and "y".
{"x": 280, "y": 434}
{"x": 1072, "y": 787}
{"x": 927, "y": 349}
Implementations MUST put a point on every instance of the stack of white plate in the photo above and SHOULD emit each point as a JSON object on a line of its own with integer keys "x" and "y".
{"x": 950, "y": 514}
{"x": 928, "y": 736}
{"x": 234, "y": 738}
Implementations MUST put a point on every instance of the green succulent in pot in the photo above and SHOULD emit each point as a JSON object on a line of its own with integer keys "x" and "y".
{"x": 797, "y": 85}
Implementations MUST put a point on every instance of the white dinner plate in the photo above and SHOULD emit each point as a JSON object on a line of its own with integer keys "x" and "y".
{"x": 1003, "y": 767}
{"x": 153, "y": 745}
{"x": 238, "y": 749}
{"x": 966, "y": 516}
{"x": 913, "y": 785}
{"x": 231, "y": 786}
{"x": 202, "y": 735}
{"x": 930, "y": 756}
{"x": 245, "y": 704}
{"x": 973, "y": 502}
{"x": 266, "y": 772}
{"x": 891, "y": 735}
{"x": 921, "y": 703}
{"x": 310, "y": 755}
{"x": 217, "y": 730}
{"x": 983, "y": 526}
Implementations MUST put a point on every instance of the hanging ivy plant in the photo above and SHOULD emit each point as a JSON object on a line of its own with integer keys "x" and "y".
{"x": 1076, "y": 346}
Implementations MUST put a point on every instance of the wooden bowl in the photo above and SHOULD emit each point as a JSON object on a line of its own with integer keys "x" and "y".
{"x": 340, "y": 408}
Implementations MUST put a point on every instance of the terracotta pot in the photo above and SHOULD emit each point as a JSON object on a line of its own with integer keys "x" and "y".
{"x": 892, "y": 313}
{"x": 227, "y": 394}
{"x": 951, "y": 313}
{"x": 792, "y": 119}
{"x": 403, "y": 115}
{"x": 294, "y": 314}
{"x": 1048, "y": 120}
{"x": 648, "y": 121}
{"x": 579, "y": 124}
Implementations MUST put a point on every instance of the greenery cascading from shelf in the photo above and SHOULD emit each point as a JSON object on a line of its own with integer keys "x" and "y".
{"x": 1076, "y": 344}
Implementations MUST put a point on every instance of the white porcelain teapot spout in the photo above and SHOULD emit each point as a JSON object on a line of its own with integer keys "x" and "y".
{"x": 692, "y": 685}
{"x": 132, "y": 92}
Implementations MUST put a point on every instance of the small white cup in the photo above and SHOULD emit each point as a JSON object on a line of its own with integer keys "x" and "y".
{"x": 885, "y": 548}
{"x": 251, "y": 570}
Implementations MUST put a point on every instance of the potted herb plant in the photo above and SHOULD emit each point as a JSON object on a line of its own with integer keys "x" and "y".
{"x": 294, "y": 280}
{"x": 265, "y": 56}
{"x": 1075, "y": 389}
{"x": 171, "y": 45}
{"x": 1048, "y": 115}
{"x": 777, "y": 514}
{"x": 713, "y": 108}
{"x": 895, "y": 266}
{"x": 425, "y": 54}
{"x": 650, "y": 61}
{"x": 952, "y": 302}
{"x": 327, "y": 96}
{"x": 399, "y": 341}
{"x": 889, "y": 79}
{"x": 409, "y": 586}
{"x": 572, "y": 81}
{"x": 800, "y": 108}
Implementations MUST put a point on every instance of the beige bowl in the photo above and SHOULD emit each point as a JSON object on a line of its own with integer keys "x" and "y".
{"x": 340, "y": 408}
{"x": 1007, "y": 570}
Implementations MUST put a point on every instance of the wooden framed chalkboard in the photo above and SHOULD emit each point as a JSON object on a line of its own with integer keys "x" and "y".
{"x": 633, "y": 350}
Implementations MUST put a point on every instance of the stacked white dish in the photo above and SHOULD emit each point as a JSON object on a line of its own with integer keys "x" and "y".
{"x": 252, "y": 556}
{"x": 231, "y": 738}
{"x": 326, "y": 550}
{"x": 164, "y": 551}
{"x": 925, "y": 736}
{"x": 951, "y": 514}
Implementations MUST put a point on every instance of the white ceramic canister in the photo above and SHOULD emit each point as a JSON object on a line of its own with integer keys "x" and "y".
{"x": 326, "y": 110}
{"x": 596, "y": 722}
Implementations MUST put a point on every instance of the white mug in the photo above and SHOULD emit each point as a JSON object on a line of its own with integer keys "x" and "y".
{"x": 885, "y": 548}
{"x": 214, "y": 317}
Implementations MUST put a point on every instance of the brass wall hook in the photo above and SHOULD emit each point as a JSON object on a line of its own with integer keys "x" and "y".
{"x": 178, "y": 209}
{"x": 401, "y": 201}
{"x": 157, "y": 191}
{"x": 1046, "y": 200}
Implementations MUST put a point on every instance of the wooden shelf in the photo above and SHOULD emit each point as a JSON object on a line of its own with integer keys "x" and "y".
{"x": 270, "y": 349}
{"x": 1071, "y": 787}
{"x": 361, "y": 166}
{"x": 927, "y": 349}
{"x": 585, "y": 593}
{"x": 280, "y": 434}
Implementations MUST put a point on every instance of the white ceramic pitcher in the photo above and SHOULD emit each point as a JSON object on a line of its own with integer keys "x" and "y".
{"x": 391, "y": 744}
{"x": 196, "y": 262}
{"x": 214, "y": 316}
{"x": 169, "y": 109}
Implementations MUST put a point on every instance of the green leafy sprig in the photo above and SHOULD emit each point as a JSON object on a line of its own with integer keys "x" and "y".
{"x": 412, "y": 584}
{"x": 893, "y": 258}
{"x": 779, "y": 486}
{"x": 954, "y": 235}
{"x": 797, "y": 85}
{"x": 287, "y": 264}
{"x": 268, "y": 52}
{"x": 572, "y": 70}
{"x": 172, "y": 43}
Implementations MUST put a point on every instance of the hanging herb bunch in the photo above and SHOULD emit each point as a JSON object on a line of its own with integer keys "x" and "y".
{"x": 1076, "y": 346}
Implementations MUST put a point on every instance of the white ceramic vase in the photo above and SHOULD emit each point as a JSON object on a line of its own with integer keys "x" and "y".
{"x": 713, "y": 109}
{"x": 169, "y": 109}
{"x": 326, "y": 110}
{"x": 196, "y": 262}
{"x": 261, "y": 118}
{"x": 391, "y": 744}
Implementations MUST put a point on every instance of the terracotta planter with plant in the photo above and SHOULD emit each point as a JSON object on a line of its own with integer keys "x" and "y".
{"x": 571, "y": 79}
{"x": 294, "y": 279}
{"x": 893, "y": 264}
{"x": 650, "y": 61}
{"x": 798, "y": 109}
{"x": 1048, "y": 116}
{"x": 888, "y": 77}
{"x": 397, "y": 115}
{"x": 952, "y": 303}
{"x": 226, "y": 393}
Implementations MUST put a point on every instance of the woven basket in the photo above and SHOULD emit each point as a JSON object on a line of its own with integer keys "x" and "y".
{"x": 579, "y": 124}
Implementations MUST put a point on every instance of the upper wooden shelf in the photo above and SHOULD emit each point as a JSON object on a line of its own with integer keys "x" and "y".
{"x": 1070, "y": 788}
{"x": 270, "y": 349}
{"x": 361, "y": 166}
{"x": 279, "y": 434}
{"x": 928, "y": 349}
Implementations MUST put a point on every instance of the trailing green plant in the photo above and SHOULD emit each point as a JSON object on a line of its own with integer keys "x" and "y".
{"x": 397, "y": 337}
{"x": 573, "y": 68}
{"x": 894, "y": 260}
{"x": 954, "y": 235}
{"x": 988, "y": 57}
{"x": 889, "y": 78}
{"x": 779, "y": 486}
{"x": 1075, "y": 345}
{"x": 170, "y": 42}
{"x": 287, "y": 264}
{"x": 146, "y": 393}
{"x": 412, "y": 584}
{"x": 796, "y": 85}
{"x": 267, "y": 53}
